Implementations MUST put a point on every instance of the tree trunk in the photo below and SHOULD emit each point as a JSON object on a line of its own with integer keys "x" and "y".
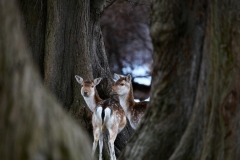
{"x": 35, "y": 26}
{"x": 32, "y": 123}
{"x": 194, "y": 109}
{"x": 70, "y": 42}
{"x": 66, "y": 40}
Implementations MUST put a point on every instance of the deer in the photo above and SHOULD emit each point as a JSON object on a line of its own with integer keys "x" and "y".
{"x": 89, "y": 91}
{"x": 133, "y": 110}
{"x": 108, "y": 115}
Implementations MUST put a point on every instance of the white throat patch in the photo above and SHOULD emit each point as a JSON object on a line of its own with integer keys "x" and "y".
{"x": 90, "y": 102}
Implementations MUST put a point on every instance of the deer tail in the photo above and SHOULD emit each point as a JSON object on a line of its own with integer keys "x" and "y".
{"x": 106, "y": 114}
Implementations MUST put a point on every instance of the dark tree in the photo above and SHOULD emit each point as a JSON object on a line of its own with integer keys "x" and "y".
{"x": 66, "y": 40}
{"x": 32, "y": 123}
{"x": 195, "y": 98}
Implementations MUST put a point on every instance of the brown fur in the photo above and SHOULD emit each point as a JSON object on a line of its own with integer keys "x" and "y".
{"x": 135, "y": 109}
{"x": 116, "y": 109}
{"x": 114, "y": 124}
{"x": 87, "y": 84}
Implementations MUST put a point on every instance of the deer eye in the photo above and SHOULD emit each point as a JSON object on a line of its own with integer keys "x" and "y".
{"x": 92, "y": 86}
{"x": 121, "y": 84}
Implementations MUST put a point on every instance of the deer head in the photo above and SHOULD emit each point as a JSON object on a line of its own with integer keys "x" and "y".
{"x": 88, "y": 86}
{"x": 122, "y": 84}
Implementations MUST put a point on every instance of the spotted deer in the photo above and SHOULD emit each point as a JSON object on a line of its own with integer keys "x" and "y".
{"x": 133, "y": 110}
{"x": 108, "y": 115}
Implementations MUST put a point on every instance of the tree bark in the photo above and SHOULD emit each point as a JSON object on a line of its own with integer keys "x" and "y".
{"x": 70, "y": 43}
{"x": 67, "y": 40}
{"x": 194, "y": 109}
{"x": 32, "y": 123}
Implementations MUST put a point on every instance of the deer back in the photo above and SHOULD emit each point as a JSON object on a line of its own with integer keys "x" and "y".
{"x": 118, "y": 113}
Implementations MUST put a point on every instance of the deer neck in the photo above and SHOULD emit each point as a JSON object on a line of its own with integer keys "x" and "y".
{"x": 92, "y": 101}
{"x": 127, "y": 102}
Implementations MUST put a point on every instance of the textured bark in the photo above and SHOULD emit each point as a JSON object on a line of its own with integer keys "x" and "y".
{"x": 194, "y": 109}
{"x": 100, "y": 67}
{"x": 35, "y": 25}
{"x": 67, "y": 50}
{"x": 70, "y": 43}
{"x": 67, "y": 40}
{"x": 32, "y": 123}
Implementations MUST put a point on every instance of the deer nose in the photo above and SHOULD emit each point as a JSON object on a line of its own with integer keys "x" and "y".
{"x": 112, "y": 92}
{"x": 85, "y": 92}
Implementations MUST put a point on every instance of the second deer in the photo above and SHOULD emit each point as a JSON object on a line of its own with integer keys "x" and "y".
{"x": 107, "y": 115}
{"x": 133, "y": 110}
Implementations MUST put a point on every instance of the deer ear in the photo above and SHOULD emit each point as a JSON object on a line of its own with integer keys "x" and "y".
{"x": 116, "y": 77}
{"x": 79, "y": 79}
{"x": 97, "y": 81}
{"x": 129, "y": 78}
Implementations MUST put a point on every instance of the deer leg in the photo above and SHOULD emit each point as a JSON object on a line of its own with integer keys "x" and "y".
{"x": 109, "y": 147}
{"x": 100, "y": 145}
{"x": 96, "y": 132}
{"x": 94, "y": 146}
{"x": 112, "y": 137}
{"x": 112, "y": 151}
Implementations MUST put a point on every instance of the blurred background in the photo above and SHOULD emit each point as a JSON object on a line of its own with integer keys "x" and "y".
{"x": 125, "y": 28}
